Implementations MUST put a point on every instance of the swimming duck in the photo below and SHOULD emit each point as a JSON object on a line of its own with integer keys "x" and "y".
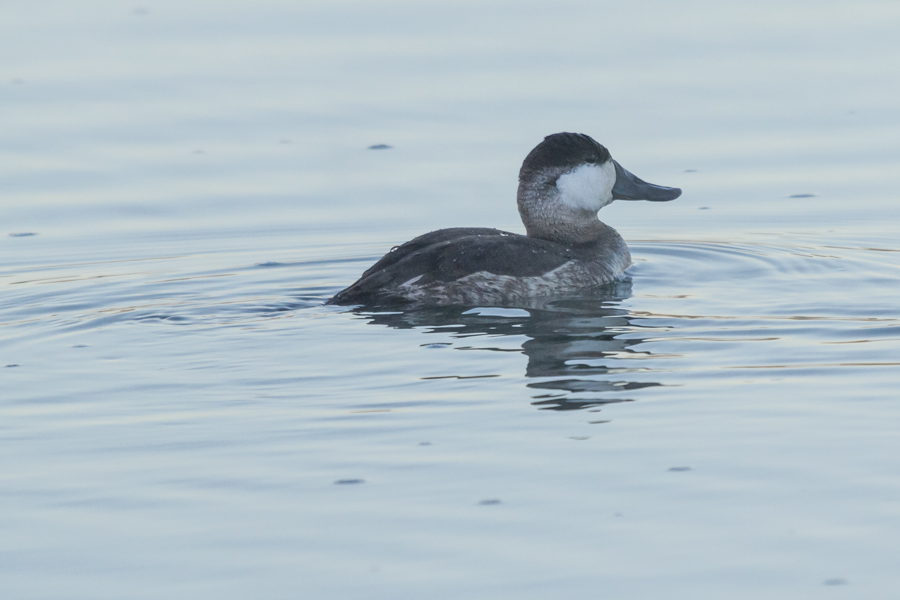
{"x": 563, "y": 182}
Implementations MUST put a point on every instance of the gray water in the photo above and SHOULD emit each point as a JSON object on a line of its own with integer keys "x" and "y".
{"x": 184, "y": 184}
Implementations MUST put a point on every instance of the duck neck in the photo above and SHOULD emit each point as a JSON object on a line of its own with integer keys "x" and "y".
{"x": 547, "y": 217}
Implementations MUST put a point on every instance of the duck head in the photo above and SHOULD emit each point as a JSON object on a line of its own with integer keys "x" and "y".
{"x": 566, "y": 179}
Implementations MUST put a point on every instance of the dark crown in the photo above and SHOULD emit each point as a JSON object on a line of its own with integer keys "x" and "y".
{"x": 563, "y": 150}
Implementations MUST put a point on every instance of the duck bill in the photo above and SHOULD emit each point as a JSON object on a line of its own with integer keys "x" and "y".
{"x": 631, "y": 187}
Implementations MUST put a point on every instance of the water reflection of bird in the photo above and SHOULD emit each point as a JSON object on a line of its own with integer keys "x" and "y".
{"x": 572, "y": 346}
{"x": 563, "y": 182}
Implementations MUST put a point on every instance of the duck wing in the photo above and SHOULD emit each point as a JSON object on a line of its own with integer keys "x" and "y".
{"x": 426, "y": 240}
{"x": 447, "y": 255}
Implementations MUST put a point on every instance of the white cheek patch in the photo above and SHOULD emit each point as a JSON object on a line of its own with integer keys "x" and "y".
{"x": 588, "y": 187}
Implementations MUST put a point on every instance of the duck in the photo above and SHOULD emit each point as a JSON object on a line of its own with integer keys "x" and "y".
{"x": 563, "y": 183}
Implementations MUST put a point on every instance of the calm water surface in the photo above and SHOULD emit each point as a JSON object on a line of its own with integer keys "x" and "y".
{"x": 183, "y": 185}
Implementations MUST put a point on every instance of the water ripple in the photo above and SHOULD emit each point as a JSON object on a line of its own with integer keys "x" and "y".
{"x": 691, "y": 308}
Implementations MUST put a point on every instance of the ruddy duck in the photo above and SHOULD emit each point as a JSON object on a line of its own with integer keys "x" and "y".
{"x": 563, "y": 182}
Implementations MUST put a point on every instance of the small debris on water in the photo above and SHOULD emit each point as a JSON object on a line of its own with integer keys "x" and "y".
{"x": 424, "y": 443}
{"x": 703, "y": 208}
{"x": 380, "y": 147}
{"x": 835, "y": 581}
{"x": 489, "y": 502}
{"x": 23, "y": 234}
{"x": 579, "y": 437}
{"x": 690, "y": 170}
{"x": 680, "y": 469}
{"x": 802, "y": 196}
{"x": 11, "y": 366}
{"x": 349, "y": 481}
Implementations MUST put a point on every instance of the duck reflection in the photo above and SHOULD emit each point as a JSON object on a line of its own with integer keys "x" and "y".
{"x": 573, "y": 345}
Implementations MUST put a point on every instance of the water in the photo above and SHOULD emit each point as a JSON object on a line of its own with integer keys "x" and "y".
{"x": 182, "y": 417}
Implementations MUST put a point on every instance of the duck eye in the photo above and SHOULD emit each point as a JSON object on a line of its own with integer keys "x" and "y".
{"x": 591, "y": 159}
